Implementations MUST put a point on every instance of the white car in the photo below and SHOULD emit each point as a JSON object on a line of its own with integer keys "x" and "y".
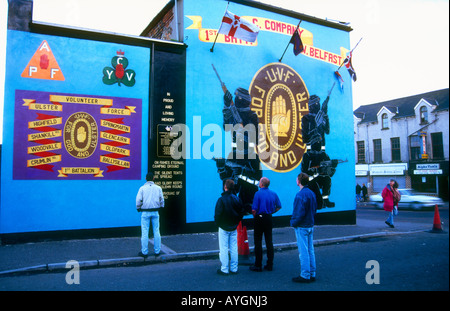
{"x": 409, "y": 200}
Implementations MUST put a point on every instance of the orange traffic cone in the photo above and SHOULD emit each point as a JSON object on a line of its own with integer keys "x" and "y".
{"x": 437, "y": 225}
{"x": 243, "y": 249}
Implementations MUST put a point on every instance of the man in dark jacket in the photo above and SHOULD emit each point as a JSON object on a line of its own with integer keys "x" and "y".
{"x": 364, "y": 192}
{"x": 302, "y": 220}
{"x": 228, "y": 213}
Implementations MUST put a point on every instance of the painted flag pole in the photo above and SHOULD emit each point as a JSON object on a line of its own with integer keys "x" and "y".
{"x": 347, "y": 59}
{"x": 212, "y": 49}
{"x": 296, "y": 29}
{"x": 350, "y": 52}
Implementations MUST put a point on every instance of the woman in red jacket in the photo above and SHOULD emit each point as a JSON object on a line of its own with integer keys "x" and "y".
{"x": 388, "y": 198}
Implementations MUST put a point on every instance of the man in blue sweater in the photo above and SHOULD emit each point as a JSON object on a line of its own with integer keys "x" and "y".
{"x": 265, "y": 203}
{"x": 305, "y": 205}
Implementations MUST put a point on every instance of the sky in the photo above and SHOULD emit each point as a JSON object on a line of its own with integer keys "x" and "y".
{"x": 404, "y": 49}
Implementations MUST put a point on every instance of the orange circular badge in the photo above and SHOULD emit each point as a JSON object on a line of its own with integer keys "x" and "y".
{"x": 280, "y": 99}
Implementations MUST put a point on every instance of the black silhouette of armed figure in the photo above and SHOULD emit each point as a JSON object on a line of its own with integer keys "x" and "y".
{"x": 316, "y": 163}
{"x": 242, "y": 164}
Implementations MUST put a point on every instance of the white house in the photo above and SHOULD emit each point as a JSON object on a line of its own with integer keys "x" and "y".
{"x": 405, "y": 139}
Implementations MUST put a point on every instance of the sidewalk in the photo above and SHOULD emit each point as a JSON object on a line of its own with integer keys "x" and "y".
{"x": 98, "y": 253}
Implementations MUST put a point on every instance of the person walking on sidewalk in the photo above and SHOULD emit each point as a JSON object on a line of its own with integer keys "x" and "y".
{"x": 388, "y": 205}
{"x": 265, "y": 203}
{"x": 228, "y": 213}
{"x": 149, "y": 201}
{"x": 305, "y": 206}
{"x": 397, "y": 197}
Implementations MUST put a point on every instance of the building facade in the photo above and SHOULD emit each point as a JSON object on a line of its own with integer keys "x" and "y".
{"x": 405, "y": 139}
{"x": 87, "y": 114}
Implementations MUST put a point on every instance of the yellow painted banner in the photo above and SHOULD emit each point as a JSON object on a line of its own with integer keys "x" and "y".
{"x": 44, "y": 160}
{"x": 114, "y": 149}
{"x": 44, "y": 148}
{"x": 116, "y": 138}
{"x": 42, "y": 123}
{"x": 325, "y": 56}
{"x": 209, "y": 35}
{"x": 270, "y": 25}
{"x": 119, "y": 111}
{"x": 116, "y": 162}
{"x": 32, "y": 105}
{"x": 65, "y": 171}
{"x": 46, "y": 135}
{"x": 266, "y": 24}
{"x": 115, "y": 126}
{"x": 81, "y": 100}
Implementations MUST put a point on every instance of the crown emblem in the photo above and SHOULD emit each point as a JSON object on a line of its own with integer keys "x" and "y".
{"x": 120, "y": 53}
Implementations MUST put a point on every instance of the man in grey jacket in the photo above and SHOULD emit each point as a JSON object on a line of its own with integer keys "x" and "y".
{"x": 149, "y": 201}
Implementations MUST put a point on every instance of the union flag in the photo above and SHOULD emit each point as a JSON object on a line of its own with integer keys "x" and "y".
{"x": 349, "y": 66}
{"x": 234, "y": 26}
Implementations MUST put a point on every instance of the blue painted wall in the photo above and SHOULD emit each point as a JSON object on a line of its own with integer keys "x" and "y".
{"x": 44, "y": 205}
{"x": 237, "y": 64}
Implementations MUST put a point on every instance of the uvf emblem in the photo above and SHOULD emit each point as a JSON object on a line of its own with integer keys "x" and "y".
{"x": 80, "y": 135}
{"x": 280, "y": 99}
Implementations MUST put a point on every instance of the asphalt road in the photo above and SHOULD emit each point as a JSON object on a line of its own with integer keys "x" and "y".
{"x": 411, "y": 262}
{"x": 367, "y": 211}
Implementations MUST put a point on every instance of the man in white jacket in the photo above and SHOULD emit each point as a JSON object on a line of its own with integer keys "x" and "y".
{"x": 149, "y": 201}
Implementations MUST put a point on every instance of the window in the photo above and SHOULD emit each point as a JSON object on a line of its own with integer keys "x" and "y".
{"x": 384, "y": 121}
{"x": 414, "y": 143}
{"x": 361, "y": 151}
{"x": 423, "y": 115}
{"x": 395, "y": 149}
{"x": 377, "y": 150}
{"x": 437, "y": 145}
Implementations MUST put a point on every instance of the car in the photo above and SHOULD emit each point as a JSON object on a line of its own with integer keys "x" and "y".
{"x": 410, "y": 200}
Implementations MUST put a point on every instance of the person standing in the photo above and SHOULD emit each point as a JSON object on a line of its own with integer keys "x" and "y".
{"x": 358, "y": 192}
{"x": 228, "y": 213}
{"x": 265, "y": 203}
{"x": 388, "y": 205}
{"x": 364, "y": 192}
{"x": 149, "y": 201}
{"x": 302, "y": 220}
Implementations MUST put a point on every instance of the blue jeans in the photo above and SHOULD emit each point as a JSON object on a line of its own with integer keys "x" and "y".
{"x": 228, "y": 242}
{"x": 390, "y": 218}
{"x": 146, "y": 218}
{"x": 306, "y": 252}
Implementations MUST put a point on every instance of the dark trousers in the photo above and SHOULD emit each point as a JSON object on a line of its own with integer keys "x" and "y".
{"x": 263, "y": 225}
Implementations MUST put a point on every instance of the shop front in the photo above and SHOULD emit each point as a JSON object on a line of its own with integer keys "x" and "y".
{"x": 430, "y": 177}
{"x": 382, "y": 173}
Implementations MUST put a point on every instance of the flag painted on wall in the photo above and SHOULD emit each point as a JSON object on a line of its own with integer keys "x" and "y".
{"x": 340, "y": 79}
{"x": 297, "y": 42}
{"x": 349, "y": 66}
{"x": 235, "y": 26}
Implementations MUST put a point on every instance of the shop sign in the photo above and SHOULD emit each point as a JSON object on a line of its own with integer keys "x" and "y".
{"x": 361, "y": 170}
{"x": 427, "y": 172}
{"x": 433, "y": 166}
{"x": 387, "y": 170}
